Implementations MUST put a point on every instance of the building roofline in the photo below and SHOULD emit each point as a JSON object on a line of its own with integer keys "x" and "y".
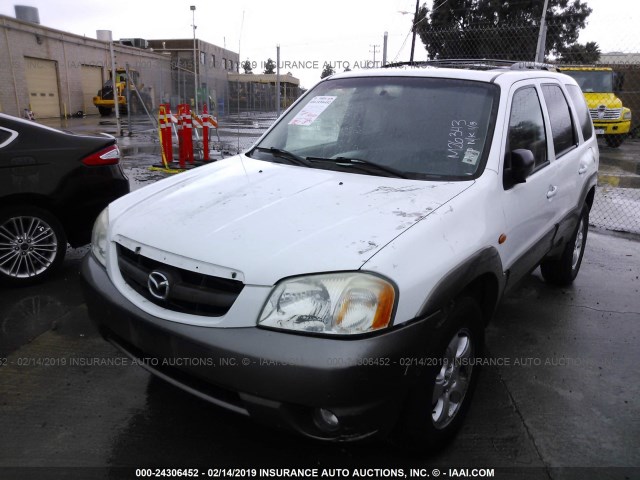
{"x": 262, "y": 78}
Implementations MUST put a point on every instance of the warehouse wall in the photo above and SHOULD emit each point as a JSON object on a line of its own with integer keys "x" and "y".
{"x": 27, "y": 50}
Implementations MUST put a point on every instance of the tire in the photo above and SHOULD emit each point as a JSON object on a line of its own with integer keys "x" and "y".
{"x": 32, "y": 245}
{"x": 426, "y": 422}
{"x": 104, "y": 111}
{"x": 614, "y": 141}
{"x": 562, "y": 271}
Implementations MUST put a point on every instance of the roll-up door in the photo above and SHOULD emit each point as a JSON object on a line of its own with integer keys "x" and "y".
{"x": 42, "y": 84}
{"x": 91, "y": 83}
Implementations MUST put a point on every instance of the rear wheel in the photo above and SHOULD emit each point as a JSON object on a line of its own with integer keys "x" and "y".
{"x": 438, "y": 404}
{"x": 32, "y": 245}
{"x": 104, "y": 111}
{"x": 564, "y": 270}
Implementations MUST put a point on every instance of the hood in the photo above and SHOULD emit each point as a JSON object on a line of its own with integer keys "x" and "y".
{"x": 609, "y": 100}
{"x": 268, "y": 221}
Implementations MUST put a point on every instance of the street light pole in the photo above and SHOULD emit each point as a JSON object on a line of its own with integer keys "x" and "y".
{"x": 195, "y": 64}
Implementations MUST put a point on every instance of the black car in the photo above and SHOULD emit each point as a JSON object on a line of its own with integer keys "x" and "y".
{"x": 53, "y": 185}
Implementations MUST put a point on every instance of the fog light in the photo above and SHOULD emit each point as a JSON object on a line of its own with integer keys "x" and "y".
{"x": 326, "y": 420}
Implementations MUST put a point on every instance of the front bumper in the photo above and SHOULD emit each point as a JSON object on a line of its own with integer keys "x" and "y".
{"x": 278, "y": 378}
{"x": 612, "y": 128}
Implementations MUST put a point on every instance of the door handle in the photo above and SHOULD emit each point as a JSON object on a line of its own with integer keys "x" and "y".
{"x": 583, "y": 169}
{"x": 553, "y": 189}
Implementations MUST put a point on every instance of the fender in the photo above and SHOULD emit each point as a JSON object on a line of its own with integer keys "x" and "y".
{"x": 484, "y": 262}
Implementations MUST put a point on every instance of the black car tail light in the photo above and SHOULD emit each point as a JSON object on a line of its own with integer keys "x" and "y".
{"x": 106, "y": 156}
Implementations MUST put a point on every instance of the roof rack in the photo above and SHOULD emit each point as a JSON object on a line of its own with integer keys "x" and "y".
{"x": 477, "y": 64}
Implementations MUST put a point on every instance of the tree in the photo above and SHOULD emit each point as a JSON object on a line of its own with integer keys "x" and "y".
{"x": 497, "y": 28}
{"x": 578, "y": 53}
{"x": 270, "y": 67}
{"x": 328, "y": 70}
{"x": 246, "y": 65}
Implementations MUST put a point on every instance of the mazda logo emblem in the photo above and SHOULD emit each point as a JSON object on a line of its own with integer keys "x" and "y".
{"x": 158, "y": 285}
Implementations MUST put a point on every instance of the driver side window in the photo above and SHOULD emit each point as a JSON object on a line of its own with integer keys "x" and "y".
{"x": 526, "y": 127}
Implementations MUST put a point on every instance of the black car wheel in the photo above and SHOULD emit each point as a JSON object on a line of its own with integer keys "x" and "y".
{"x": 437, "y": 405}
{"x": 614, "y": 141}
{"x": 32, "y": 245}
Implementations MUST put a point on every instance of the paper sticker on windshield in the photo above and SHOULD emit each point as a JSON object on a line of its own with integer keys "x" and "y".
{"x": 312, "y": 110}
{"x": 471, "y": 156}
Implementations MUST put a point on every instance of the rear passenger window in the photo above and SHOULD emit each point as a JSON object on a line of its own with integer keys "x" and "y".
{"x": 581, "y": 109}
{"x": 526, "y": 125}
{"x": 564, "y": 134}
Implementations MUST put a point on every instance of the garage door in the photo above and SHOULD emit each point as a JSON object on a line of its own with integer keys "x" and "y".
{"x": 42, "y": 84}
{"x": 91, "y": 83}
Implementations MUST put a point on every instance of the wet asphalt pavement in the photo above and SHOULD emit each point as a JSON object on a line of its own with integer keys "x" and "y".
{"x": 561, "y": 402}
{"x": 566, "y": 392}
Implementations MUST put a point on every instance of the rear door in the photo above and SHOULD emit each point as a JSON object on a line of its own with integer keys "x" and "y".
{"x": 575, "y": 156}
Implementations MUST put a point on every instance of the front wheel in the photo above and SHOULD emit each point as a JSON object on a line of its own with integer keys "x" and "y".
{"x": 32, "y": 245}
{"x": 563, "y": 270}
{"x": 614, "y": 141}
{"x": 104, "y": 111}
{"x": 439, "y": 402}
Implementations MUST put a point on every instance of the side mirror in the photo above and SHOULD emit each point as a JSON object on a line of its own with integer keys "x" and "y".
{"x": 522, "y": 163}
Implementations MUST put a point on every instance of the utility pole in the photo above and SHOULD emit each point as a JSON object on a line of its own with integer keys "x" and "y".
{"x": 415, "y": 21}
{"x": 384, "y": 48}
{"x": 195, "y": 62}
{"x": 542, "y": 35}
{"x": 375, "y": 50}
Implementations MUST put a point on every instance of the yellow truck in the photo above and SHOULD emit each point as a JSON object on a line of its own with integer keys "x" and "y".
{"x": 104, "y": 99}
{"x": 610, "y": 117}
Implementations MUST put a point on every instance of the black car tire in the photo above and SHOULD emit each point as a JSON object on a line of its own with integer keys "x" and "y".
{"x": 451, "y": 375}
{"x": 104, "y": 111}
{"x": 614, "y": 141}
{"x": 562, "y": 271}
{"x": 32, "y": 245}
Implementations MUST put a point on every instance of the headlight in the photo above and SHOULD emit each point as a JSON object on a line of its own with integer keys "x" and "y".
{"x": 333, "y": 304}
{"x": 99, "y": 237}
{"x": 626, "y": 115}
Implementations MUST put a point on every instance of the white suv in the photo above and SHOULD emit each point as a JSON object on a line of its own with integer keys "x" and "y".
{"x": 337, "y": 277}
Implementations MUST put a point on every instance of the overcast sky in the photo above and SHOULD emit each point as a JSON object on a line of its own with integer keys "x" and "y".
{"x": 344, "y": 31}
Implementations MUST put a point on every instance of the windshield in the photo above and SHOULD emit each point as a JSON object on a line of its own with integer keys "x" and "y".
{"x": 417, "y": 127}
{"x": 592, "y": 81}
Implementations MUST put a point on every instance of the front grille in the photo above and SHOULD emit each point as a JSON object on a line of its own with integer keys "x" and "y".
{"x": 188, "y": 292}
{"x": 609, "y": 114}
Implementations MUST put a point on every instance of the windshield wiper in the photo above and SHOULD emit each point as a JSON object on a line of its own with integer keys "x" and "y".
{"x": 365, "y": 165}
{"x": 284, "y": 154}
